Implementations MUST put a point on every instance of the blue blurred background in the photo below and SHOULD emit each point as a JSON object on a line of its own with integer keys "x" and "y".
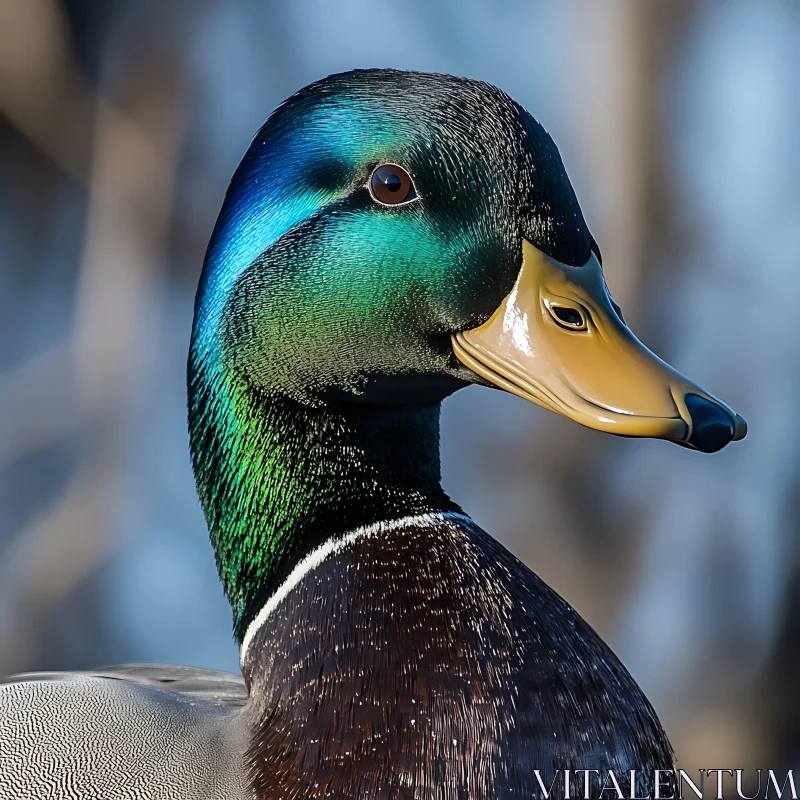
{"x": 678, "y": 121}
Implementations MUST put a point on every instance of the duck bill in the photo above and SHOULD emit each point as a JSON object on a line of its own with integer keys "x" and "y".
{"x": 559, "y": 340}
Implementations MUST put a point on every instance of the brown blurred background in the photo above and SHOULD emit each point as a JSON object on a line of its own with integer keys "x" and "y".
{"x": 679, "y": 121}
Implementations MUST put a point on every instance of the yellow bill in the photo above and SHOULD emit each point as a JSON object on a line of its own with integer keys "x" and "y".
{"x": 558, "y": 340}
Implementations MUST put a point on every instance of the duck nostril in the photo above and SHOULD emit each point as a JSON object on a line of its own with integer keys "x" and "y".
{"x": 712, "y": 425}
{"x": 570, "y": 317}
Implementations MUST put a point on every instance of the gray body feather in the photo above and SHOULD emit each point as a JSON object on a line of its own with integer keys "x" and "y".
{"x": 152, "y": 732}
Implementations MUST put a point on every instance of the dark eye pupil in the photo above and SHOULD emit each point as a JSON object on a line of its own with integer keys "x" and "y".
{"x": 393, "y": 183}
{"x": 569, "y": 316}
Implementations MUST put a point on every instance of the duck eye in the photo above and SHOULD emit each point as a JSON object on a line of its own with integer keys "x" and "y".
{"x": 391, "y": 185}
{"x": 568, "y": 317}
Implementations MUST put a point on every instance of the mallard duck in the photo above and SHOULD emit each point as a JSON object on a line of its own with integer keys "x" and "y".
{"x": 388, "y": 238}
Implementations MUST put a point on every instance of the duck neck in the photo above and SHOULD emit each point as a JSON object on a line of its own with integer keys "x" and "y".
{"x": 277, "y": 478}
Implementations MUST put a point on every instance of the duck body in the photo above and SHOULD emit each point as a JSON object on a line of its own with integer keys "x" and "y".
{"x": 156, "y": 732}
{"x": 412, "y": 658}
{"x": 387, "y": 239}
{"x": 420, "y": 658}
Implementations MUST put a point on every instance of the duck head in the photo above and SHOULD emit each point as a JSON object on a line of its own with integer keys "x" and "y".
{"x": 390, "y": 237}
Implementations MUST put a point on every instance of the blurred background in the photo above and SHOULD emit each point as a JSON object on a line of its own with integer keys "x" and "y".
{"x": 678, "y": 121}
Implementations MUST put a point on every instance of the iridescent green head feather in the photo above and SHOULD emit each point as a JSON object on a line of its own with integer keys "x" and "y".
{"x": 310, "y": 284}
